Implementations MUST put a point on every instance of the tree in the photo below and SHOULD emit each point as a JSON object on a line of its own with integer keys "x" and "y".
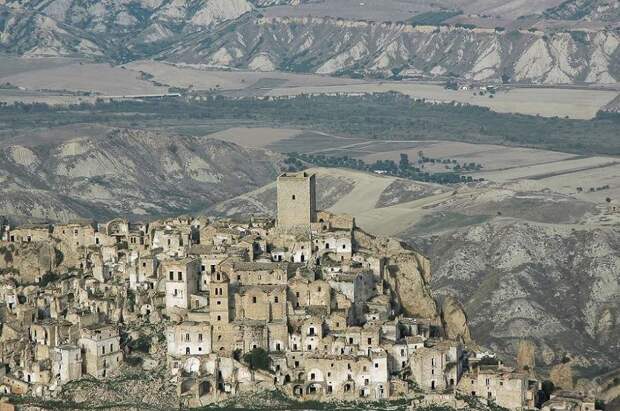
{"x": 257, "y": 359}
{"x": 47, "y": 278}
{"x": 404, "y": 161}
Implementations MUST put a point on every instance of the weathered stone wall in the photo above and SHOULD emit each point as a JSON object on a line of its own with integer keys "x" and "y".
{"x": 29, "y": 260}
{"x": 296, "y": 199}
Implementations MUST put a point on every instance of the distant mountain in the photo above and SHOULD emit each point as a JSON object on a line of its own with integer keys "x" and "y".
{"x": 234, "y": 34}
{"x": 133, "y": 173}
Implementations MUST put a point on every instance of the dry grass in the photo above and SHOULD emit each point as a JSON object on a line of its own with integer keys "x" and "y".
{"x": 98, "y": 78}
{"x": 492, "y": 157}
{"x": 565, "y": 176}
{"x": 399, "y": 10}
{"x": 255, "y": 137}
{"x": 69, "y": 75}
{"x": 11, "y": 65}
{"x": 206, "y": 79}
{"x": 548, "y": 102}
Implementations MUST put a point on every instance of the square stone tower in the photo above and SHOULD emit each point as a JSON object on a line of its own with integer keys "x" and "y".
{"x": 296, "y": 199}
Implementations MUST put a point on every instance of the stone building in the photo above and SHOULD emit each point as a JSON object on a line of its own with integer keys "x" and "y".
{"x": 29, "y": 233}
{"x": 219, "y": 298}
{"x": 101, "y": 352}
{"x": 296, "y": 199}
{"x": 437, "y": 366}
{"x": 569, "y": 401}
{"x": 261, "y": 302}
{"x": 319, "y": 295}
{"x": 67, "y": 363}
{"x": 503, "y": 386}
{"x": 181, "y": 278}
{"x": 189, "y": 338}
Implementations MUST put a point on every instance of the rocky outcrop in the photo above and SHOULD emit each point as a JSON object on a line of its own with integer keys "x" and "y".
{"x": 526, "y": 355}
{"x": 28, "y": 261}
{"x": 228, "y": 33}
{"x": 407, "y": 273}
{"x": 552, "y": 284}
{"x": 70, "y": 27}
{"x": 561, "y": 375}
{"x": 587, "y": 10}
{"x": 454, "y": 320}
{"x": 407, "y": 278}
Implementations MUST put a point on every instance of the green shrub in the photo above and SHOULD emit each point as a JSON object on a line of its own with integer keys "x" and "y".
{"x": 258, "y": 359}
{"x": 134, "y": 361}
{"x": 47, "y": 278}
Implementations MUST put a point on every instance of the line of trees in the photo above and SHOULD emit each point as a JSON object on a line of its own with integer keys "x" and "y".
{"x": 404, "y": 169}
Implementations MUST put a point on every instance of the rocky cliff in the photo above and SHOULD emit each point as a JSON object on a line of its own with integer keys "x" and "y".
{"x": 555, "y": 285}
{"x": 408, "y": 274}
{"x": 67, "y": 27}
{"x": 588, "y": 10}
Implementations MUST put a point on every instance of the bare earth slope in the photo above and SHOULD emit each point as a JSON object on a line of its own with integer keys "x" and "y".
{"x": 555, "y": 285}
{"x": 234, "y": 34}
{"x": 133, "y": 173}
{"x": 330, "y": 46}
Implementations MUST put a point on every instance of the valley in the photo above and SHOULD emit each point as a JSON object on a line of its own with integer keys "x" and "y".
{"x": 67, "y": 81}
{"x": 151, "y": 109}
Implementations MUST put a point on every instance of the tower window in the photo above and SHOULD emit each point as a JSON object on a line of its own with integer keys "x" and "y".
{"x": 293, "y": 197}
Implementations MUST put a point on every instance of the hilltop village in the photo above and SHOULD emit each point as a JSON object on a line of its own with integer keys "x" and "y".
{"x": 309, "y": 305}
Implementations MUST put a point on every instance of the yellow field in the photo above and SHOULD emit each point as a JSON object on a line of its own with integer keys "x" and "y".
{"x": 578, "y": 104}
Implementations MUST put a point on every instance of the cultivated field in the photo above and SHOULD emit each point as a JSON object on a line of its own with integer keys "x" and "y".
{"x": 50, "y": 80}
{"x": 532, "y": 169}
{"x": 491, "y": 156}
{"x": 255, "y": 137}
{"x": 591, "y": 174}
{"x": 204, "y": 78}
{"x": 37, "y": 136}
{"x": 549, "y": 102}
{"x": 399, "y": 10}
{"x": 10, "y": 65}
{"x": 381, "y": 10}
{"x": 86, "y": 77}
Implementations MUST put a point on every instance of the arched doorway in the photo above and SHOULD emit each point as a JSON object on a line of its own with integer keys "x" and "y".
{"x": 314, "y": 388}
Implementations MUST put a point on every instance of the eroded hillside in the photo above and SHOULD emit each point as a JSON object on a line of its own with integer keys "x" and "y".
{"x": 133, "y": 173}
{"x": 557, "y": 286}
{"x": 234, "y": 34}
{"x": 330, "y": 46}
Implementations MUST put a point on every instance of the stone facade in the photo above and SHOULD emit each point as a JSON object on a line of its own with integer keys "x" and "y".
{"x": 101, "y": 349}
{"x": 296, "y": 199}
